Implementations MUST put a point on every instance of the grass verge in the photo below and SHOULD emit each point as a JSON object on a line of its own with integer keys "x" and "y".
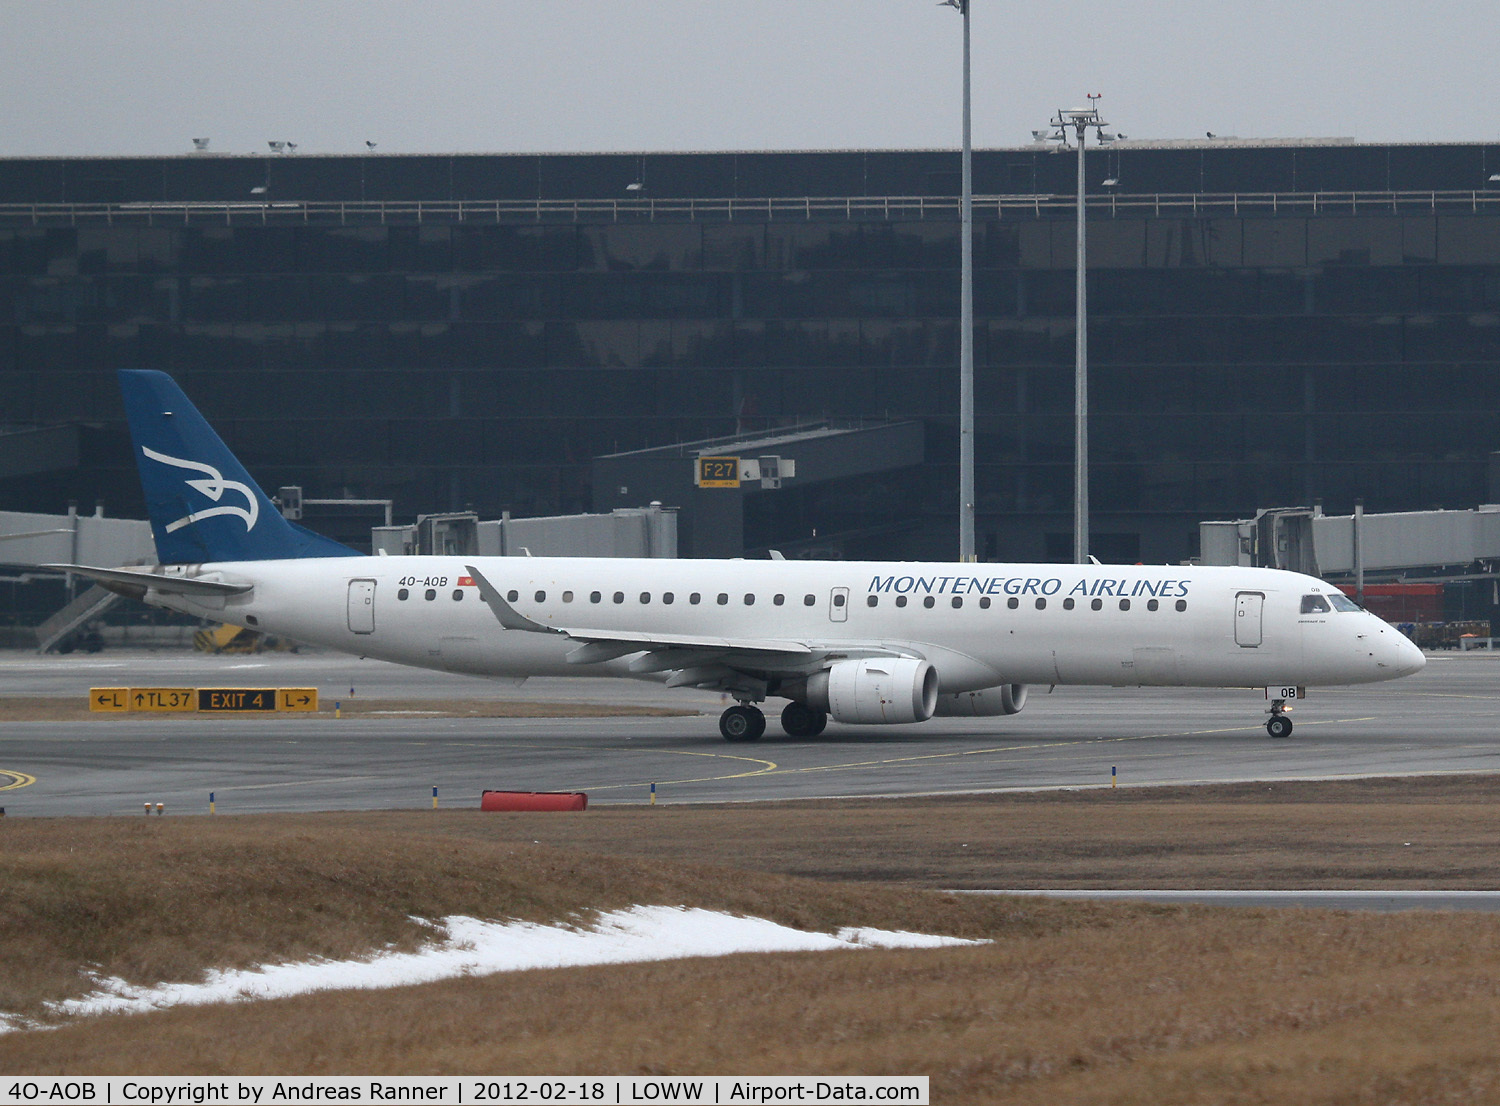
{"x": 1075, "y": 1003}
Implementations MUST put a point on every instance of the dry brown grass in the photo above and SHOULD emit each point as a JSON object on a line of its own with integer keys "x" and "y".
{"x": 1073, "y": 1003}
{"x": 43, "y": 708}
{"x": 1420, "y": 833}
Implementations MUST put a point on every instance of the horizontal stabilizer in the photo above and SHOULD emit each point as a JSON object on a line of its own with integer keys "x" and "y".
{"x": 135, "y": 584}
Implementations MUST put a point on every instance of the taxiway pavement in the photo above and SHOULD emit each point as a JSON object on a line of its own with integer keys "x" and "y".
{"x": 1441, "y": 720}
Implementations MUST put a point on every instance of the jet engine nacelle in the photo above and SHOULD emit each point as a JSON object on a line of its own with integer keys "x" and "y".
{"x": 876, "y": 690}
{"x": 1005, "y": 699}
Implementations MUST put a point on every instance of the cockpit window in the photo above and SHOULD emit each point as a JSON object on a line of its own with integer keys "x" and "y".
{"x": 1314, "y": 604}
{"x": 1342, "y": 602}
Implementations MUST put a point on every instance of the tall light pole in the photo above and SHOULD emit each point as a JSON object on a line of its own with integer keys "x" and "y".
{"x": 1080, "y": 119}
{"x": 966, "y": 323}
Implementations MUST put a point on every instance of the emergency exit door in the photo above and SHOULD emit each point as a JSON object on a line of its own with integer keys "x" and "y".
{"x": 362, "y": 606}
{"x": 1247, "y": 611}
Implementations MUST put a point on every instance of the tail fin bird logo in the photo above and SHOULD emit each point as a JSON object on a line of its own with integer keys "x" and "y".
{"x": 213, "y": 485}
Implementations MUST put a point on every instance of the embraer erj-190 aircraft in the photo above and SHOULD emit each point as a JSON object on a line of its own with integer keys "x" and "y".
{"x": 863, "y": 643}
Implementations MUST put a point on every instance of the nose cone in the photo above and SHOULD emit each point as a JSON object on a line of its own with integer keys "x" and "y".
{"x": 1409, "y": 659}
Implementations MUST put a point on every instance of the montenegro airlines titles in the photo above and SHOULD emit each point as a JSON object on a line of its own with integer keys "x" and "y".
{"x": 862, "y": 643}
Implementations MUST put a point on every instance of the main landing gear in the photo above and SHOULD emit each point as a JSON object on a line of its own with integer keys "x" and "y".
{"x": 746, "y": 723}
{"x": 1279, "y": 725}
{"x": 742, "y": 723}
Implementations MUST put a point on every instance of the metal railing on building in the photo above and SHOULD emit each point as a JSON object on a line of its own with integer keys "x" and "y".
{"x": 727, "y": 209}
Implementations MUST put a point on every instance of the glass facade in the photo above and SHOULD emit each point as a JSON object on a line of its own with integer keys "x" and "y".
{"x": 456, "y": 358}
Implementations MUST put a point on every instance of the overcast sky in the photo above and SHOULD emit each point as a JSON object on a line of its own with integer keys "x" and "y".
{"x": 145, "y": 76}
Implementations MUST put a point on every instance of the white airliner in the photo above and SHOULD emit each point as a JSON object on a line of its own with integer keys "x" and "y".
{"x": 863, "y": 643}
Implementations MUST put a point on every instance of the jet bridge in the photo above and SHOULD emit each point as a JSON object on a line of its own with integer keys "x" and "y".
{"x": 716, "y": 480}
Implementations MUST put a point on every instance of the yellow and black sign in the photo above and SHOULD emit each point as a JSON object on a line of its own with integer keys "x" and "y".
{"x": 718, "y": 472}
{"x": 163, "y": 698}
{"x": 236, "y": 698}
{"x": 296, "y": 698}
{"x": 211, "y": 699}
{"x": 109, "y": 698}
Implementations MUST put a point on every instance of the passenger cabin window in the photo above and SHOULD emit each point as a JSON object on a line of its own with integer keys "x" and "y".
{"x": 838, "y": 600}
{"x": 619, "y": 597}
{"x": 667, "y": 597}
{"x": 431, "y": 594}
{"x": 749, "y": 600}
{"x": 1041, "y": 604}
{"x": 512, "y": 595}
{"x": 1012, "y": 602}
{"x": 567, "y": 597}
{"x": 402, "y": 594}
{"x": 779, "y": 599}
{"x": 1124, "y": 604}
{"x": 645, "y": 597}
{"x": 541, "y": 597}
{"x": 1182, "y": 604}
{"x": 595, "y": 597}
{"x": 809, "y": 600}
{"x": 723, "y": 598}
{"x": 1096, "y": 604}
{"x": 900, "y": 600}
{"x": 695, "y": 598}
{"x": 929, "y": 602}
{"x": 1315, "y": 604}
{"x": 1152, "y": 604}
{"x": 958, "y": 601}
{"x": 984, "y": 603}
{"x": 1068, "y": 603}
{"x": 458, "y": 594}
{"x": 872, "y": 600}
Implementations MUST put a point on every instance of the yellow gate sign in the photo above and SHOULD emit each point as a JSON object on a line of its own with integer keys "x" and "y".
{"x": 718, "y": 472}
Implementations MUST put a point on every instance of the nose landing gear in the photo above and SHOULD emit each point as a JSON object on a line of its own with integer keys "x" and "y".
{"x": 1279, "y": 725}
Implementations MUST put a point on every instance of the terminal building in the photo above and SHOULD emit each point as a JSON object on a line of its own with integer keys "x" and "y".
{"x": 1272, "y": 323}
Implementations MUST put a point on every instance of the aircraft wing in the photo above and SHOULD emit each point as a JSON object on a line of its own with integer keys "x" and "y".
{"x": 693, "y": 660}
{"x": 134, "y": 584}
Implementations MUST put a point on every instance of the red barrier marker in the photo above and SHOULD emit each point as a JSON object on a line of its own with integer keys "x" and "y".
{"x": 533, "y": 800}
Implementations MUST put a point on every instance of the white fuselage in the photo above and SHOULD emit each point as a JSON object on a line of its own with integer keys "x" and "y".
{"x": 979, "y": 625}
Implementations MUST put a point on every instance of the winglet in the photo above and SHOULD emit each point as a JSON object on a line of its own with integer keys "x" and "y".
{"x": 509, "y": 617}
{"x": 203, "y": 504}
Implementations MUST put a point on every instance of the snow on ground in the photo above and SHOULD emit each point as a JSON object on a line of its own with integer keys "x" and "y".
{"x": 474, "y": 947}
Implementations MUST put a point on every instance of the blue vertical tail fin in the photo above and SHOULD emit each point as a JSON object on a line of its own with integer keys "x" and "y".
{"x": 203, "y": 504}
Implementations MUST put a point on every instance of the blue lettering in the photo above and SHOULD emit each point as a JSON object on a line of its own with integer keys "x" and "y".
{"x": 943, "y": 582}
{"x": 1182, "y": 587}
{"x": 905, "y": 584}
{"x": 1051, "y": 587}
{"x": 1080, "y": 588}
{"x": 1029, "y": 587}
{"x": 924, "y": 584}
{"x": 1012, "y": 586}
{"x": 1106, "y": 587}
{"x": 992, "y": 586}
{"x": 882, "y": 584}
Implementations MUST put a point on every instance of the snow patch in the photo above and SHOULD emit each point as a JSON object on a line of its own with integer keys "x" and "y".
{"x": 476, "y": 947}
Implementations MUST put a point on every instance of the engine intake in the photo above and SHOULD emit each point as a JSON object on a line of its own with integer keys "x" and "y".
{"x": 990, "y": 701}
{"x": 876, "y": 690}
